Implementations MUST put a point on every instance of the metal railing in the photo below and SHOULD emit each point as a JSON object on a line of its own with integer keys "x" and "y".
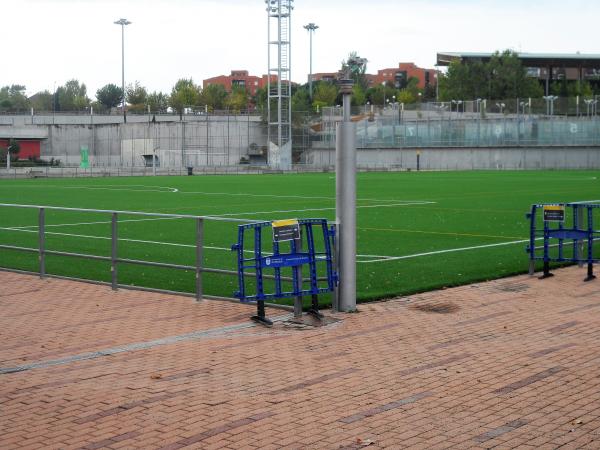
{"x": 114, "y": 259}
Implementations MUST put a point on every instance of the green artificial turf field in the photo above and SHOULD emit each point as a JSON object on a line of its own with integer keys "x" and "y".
{"x": 416, "y": 231}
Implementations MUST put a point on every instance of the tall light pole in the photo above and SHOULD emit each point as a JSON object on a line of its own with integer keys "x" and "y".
{"x": 311, "y": 27}
{"x": 123, "y": 22}
{"x": 550, "y": 99}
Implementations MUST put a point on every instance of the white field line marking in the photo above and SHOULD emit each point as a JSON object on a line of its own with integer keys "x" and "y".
{"x": 173, "y": 244}
{"x": 94, "y": 188}
{"x": 95, "y": 223}
{"x": 586, "y": 201}
{"x": 220, "y": 215}
{"x": 111, "y": 187}
{"x": 106, "y": 187}
{"x": 243, "y": 194}
{"x": 380, "y": 258}
{"x": 438, "y": 252}
{"x": 323, "y": 209}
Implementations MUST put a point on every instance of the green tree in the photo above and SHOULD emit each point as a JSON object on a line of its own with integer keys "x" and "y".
{"x": 158, "y": 101}
{"x": 259, "y": 99}
{"x": 381, "y": 93}
{"x": 301, "y": 100}
{"x": 214, "y": 97}
{"x": 359, "y": 96}
{"x": 406, "y": 96}
{"x": 137, "y": 97}
{"x": 237, "y": 100}
{"x": 502, "y": 77}
{"x": 325, "y": 94}
{"x": 109, "y": 96}
{"x": 72, "y": 96}
{"x": 13, "y": 98}
{"x": 185, "y": 94}
{"x": 13, "y": 149}
{"x": 42, "y": 101}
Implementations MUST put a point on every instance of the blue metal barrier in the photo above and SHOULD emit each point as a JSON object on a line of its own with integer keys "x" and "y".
{"x": 572, "y": 225}
{"x": 261, "y": 276}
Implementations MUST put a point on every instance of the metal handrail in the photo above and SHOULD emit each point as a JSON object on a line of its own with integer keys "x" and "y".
{"x": 114, "y": 259}
{"x": 134, "y": 213}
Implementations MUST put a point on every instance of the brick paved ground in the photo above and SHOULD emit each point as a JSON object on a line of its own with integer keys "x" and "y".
{"x": 509, "y": 363}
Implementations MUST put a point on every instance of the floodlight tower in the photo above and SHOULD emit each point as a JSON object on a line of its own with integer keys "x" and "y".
{"x": 123, "y": 23}
{"x": 311, "y": 28}
{"x": 279, "y": 104}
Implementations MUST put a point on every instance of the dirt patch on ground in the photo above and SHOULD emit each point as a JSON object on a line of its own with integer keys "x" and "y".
{"x": 437, "y": 308}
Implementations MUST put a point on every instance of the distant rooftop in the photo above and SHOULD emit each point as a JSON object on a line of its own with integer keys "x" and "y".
{"x": 530, "y": 59}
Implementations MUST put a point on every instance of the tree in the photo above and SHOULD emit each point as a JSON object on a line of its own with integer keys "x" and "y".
{"x": 12, "y": 98}
{"x": 13, "y": 149}
{"x": 214, "y": 97}
{"x": 325, "y": 94}
{"x": 158, "y": 102}
{"x": 110, "y": 95}
{"x": 42, "y": 101}
{"x": 137, "y": 96}
{"x": 301, "y": 100}
{"x": 379, "y": 94}
{"x": 237, "y": 100}
{"x": 259, "y": 99}
{"x": 502, "y": 77}
{"x": 185, "y": 94}
{"x": 359, "y": 97}
{"x": 72, "y": 96}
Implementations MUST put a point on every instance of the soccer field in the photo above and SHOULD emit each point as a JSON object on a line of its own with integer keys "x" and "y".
{"x": 416, "y": 230}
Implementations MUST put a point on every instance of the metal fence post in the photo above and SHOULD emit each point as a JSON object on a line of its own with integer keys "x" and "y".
{"x": 199, "y": 257}
{"x": 113, "y": 255}
{"x": 298, "y": 275}
{"x": 42, "y": 241}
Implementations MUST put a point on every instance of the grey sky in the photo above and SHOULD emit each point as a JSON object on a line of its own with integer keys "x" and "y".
{"x": 47, "y": 42}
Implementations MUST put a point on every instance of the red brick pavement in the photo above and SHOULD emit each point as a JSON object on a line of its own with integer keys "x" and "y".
{"x": 512, "y": 363}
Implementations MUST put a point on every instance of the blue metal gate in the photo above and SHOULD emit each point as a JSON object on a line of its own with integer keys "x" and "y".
{"x": 263, "y": 262}
{"x": 572, "y": 226}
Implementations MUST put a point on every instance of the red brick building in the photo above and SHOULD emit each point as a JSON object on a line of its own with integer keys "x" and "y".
{"x": 398, "y": 76}
{"x": 239, "y": 78}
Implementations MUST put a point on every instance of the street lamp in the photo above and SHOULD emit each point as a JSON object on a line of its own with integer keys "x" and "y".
{"x": 479, "y": 101}
{"x": 311, "y": 27}
{"x": 550, "y": 104}
{"x": 436, "y": 75}
{"x": 123, "y": 22}
{"x": 457, "y": 103}
{"x": 524, "y": 106}
{"x": 590, "y": 102}
{"x": 501, "y": 107}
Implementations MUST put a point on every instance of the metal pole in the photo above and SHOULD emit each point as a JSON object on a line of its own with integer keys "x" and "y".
{"x": 199, "y": 257}
{"x": 113, "y": 254}
{"x": 298, "y": 276}
{"x": 123, "y": 70}
{"x": 42, "y": 241}
{"x": 123, "y": 22}
{"x": 346, "y": 202}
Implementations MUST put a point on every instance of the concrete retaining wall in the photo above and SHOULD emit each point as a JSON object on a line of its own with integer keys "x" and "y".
{"x": 212, "y": 141}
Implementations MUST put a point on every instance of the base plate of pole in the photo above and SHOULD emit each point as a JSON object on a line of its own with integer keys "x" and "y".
{"x": 262, "y": 321}
{"x": 546, "y": 275}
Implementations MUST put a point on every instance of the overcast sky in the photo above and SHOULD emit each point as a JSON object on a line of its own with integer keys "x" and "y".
{"x": 47, "y": 42}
